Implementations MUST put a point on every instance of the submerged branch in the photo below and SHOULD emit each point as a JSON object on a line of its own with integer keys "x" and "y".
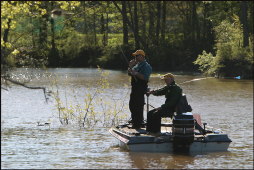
{"x": 6, "y": 78}
{"x": 4, "y": 88}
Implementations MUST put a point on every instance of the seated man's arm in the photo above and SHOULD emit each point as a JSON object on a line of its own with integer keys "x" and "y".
{"x": 160, "y": 92}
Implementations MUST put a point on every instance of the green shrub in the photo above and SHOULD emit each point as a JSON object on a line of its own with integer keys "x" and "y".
{"x": 206, "y": 63}
{"x": 231, "y": 58}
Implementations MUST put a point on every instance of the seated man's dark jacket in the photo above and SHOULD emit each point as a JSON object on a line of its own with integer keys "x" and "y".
{"x": 172, "y": 93}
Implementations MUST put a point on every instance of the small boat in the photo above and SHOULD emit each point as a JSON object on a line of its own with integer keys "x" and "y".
{"x": 184, "y": 134}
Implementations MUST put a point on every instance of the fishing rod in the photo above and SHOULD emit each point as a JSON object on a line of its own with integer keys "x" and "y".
{"x": 127, "y": 61}
{"x": 125, "y": 58}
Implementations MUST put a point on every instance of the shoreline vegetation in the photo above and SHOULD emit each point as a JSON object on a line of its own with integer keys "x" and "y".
{"x": 214, "y": 38}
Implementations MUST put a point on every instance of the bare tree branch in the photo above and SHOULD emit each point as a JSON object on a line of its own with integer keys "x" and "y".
{"x": 8, "y": 79}
{"x": 4, "y": 88}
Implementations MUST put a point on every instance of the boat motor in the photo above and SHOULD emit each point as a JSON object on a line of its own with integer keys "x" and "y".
{"x": 183, "y": 121}
{"x": 183, "y": 131}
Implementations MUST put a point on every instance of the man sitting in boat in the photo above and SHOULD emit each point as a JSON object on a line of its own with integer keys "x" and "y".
{"x": 173, "y": 94}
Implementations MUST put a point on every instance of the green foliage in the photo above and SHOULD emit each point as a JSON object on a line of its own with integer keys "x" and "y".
{"x": 70, "y": 44}
{"x": 79, "y": 37}
{"x": 10, "y": 59}
{"x": 96, "y": 109}
{"x": 115, "y": 39}
{"x": 206, "y": 63}
{"x": 111, "y": 58}
{"x": 115, "y": 57}
{"x": 222, "y": 10}
{"x": 230, "y": 50}
{"x": 25, "y": 22}
{"x": 30, "y": 57}
{"x": 231, "y": 59}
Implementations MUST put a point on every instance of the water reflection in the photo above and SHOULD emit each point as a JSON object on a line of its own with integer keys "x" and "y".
{"x": 160, "y": 161}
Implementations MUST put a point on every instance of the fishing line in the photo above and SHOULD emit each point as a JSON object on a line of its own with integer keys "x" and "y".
{"x": 197, "y": 79}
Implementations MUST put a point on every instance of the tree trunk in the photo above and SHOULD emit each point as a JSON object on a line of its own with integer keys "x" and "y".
{"x": 207, "y": 31}
{"x": 143, "y": 23}
{"x": 158, "y": 22}
{"x": 94, "y": 27}
{"x": 188, "y": 25}
{"x": 6, "y": 31}
{"x": 43, "y": 27}
{"x": 54, "y": 59}
{"x": 141, "y": 40}
{"x": 103, "y": 30}
{"x": 136, "y": 29}
{"x": 107, "y": 23}
{"x": 151, "y": 22}
{"x": 163, "y": 24}
{"x": 244, "y": 21}
{"x": 197, "y": 22}
{"x": 84, "y": 8}
{"x": 5, "y": 40}
{"x": 43, "y": 32}
{"x": 251, "y": 7}
{"x": 131, "y": 15}
{"x": 53, "y": 45}
{"x": 204, "y": 30}
{"x": 33, "y": 35}
{"x": 125, "y": 25}
{"x": 193, "y": 22}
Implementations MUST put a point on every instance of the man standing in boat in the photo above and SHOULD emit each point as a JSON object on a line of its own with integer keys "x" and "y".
{"x": 140, "y": 71}
{"x": 173, "y": 94}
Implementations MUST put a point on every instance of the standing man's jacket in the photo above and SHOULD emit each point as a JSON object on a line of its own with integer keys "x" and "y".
{"x": 138, "y": 85}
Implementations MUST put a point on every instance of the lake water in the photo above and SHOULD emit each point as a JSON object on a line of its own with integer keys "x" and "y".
{"x": 225, "y": 104}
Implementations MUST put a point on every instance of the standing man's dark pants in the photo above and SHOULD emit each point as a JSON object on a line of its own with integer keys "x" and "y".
{"x": 137, "y": 101}
{"x": 154, "y": 119}
{"x": 136, "y": 105}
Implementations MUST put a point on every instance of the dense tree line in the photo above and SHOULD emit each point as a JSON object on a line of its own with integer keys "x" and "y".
{"x": 215, "y": 37}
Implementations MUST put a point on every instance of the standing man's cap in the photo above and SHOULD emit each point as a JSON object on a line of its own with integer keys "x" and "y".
{"x": 139, "y": 52}
{"x": 168, "y": 75}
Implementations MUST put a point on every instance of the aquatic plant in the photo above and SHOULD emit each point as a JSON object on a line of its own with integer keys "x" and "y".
{"x": 98, "y": 108}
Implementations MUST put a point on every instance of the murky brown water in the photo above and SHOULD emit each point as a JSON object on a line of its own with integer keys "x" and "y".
{"x": 222, "y": 103}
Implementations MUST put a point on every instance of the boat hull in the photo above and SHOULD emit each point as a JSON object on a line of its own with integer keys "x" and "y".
{"x": 195, "y": 147}
{"x": 141, "y": 142}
